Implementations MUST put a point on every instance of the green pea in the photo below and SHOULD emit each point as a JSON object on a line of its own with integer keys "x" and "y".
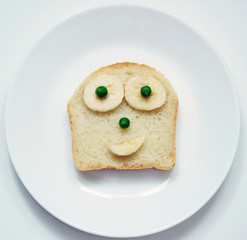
{"x": 146, "y": 91}
{"x": 124, "y": 122}
{"x": 101, "y": 91}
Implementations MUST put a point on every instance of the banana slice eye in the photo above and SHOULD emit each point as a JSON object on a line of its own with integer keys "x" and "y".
{"x": 145, "y": 93}
{"x": 112, "y": 98}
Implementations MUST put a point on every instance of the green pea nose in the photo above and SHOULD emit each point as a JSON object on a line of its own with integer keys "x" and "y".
{"x": 124, "y": 122}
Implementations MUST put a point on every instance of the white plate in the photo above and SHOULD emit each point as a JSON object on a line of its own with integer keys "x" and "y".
{"x": 121, "y": 203}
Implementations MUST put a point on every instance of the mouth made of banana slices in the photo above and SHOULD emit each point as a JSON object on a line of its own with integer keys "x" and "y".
{"x": 127, "y": 147}
{"x": 105, "y": 93}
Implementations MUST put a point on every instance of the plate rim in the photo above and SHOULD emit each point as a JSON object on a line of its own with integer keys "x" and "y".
{"x": 182, "y": 22}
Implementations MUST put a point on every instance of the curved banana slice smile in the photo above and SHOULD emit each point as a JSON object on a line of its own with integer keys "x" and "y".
{"x": 126, "y": 148}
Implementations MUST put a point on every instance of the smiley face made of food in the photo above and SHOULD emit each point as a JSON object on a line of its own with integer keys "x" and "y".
{"x": 123, "y": 116}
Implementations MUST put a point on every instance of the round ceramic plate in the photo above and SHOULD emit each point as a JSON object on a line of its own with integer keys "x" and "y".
{"x": 121, "y": 203}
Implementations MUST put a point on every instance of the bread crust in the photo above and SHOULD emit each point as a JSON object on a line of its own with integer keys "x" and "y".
{"x": 124, "y": 166}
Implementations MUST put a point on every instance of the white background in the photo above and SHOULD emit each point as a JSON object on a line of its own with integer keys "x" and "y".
{"x": 223, "y": 22}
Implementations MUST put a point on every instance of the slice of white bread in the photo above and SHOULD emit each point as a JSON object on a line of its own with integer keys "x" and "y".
{"x": 93, "y": 131}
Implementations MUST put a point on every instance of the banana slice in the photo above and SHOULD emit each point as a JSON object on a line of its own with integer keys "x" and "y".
{"x": 126, "y": 148}
{"x": 134, "y": 97}
{"x": 112, "y": 99}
